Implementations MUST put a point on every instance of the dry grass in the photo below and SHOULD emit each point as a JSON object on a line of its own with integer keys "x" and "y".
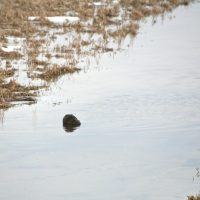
{"x": 3, "y": 39}
{"x": 108, "y": 22}
{"x": 12, "y": 55}
{"x": 12, "y": 92}
{"x": 52, "y": 73}
{"x": 39, "y": 62}
{"x": 4, "y": 73}
{"x": 137, "y": 15}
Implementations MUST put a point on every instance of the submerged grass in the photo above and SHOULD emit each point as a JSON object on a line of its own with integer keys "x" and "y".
{"x": 197, "y": 197}
{"x": 53, "y": 73}
{"x": 4, "y": 73}
{"x": 13, "y": 92}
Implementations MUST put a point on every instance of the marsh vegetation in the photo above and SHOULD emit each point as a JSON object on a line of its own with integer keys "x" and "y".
{"x": 42, "y": 40}
{"x": 197, "y": 197}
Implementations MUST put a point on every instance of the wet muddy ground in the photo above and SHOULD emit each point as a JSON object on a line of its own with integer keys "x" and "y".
{"x": 139, "y": 137}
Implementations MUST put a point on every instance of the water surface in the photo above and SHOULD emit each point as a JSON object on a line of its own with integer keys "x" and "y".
{"x": 139, "y": 136}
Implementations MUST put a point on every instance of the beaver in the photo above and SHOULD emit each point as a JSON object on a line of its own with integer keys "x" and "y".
{"x": 70, "y": 122}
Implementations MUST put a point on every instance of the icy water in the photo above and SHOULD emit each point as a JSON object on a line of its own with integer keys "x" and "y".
{"x": 140, "y": 132}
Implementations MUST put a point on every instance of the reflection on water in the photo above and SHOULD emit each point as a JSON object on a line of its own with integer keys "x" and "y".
{"x": 197, "y": 175}
{"x": 70, "y": 129}
{"x": 1, "y": 116}
{"x": 139, "y": 136}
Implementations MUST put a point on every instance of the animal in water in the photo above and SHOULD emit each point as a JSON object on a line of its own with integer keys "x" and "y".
{"x": 70, "y": 122}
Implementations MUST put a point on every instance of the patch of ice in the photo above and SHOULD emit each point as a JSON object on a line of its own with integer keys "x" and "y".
{"x": 31, "y": 18}
{"x": 14, "y": 44}
{"x": 13, "y": 39}
{"x": 63, "y": 19}
{"x": 42, "y": 58}
{"x": 115, "y": 1}
{"x": 58, "y": 61}
{"x": 104, "y": 4}
{"x": 57, "y": 19}
{"x": 97, "y": 3}
{"x": 8, "y": 49}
